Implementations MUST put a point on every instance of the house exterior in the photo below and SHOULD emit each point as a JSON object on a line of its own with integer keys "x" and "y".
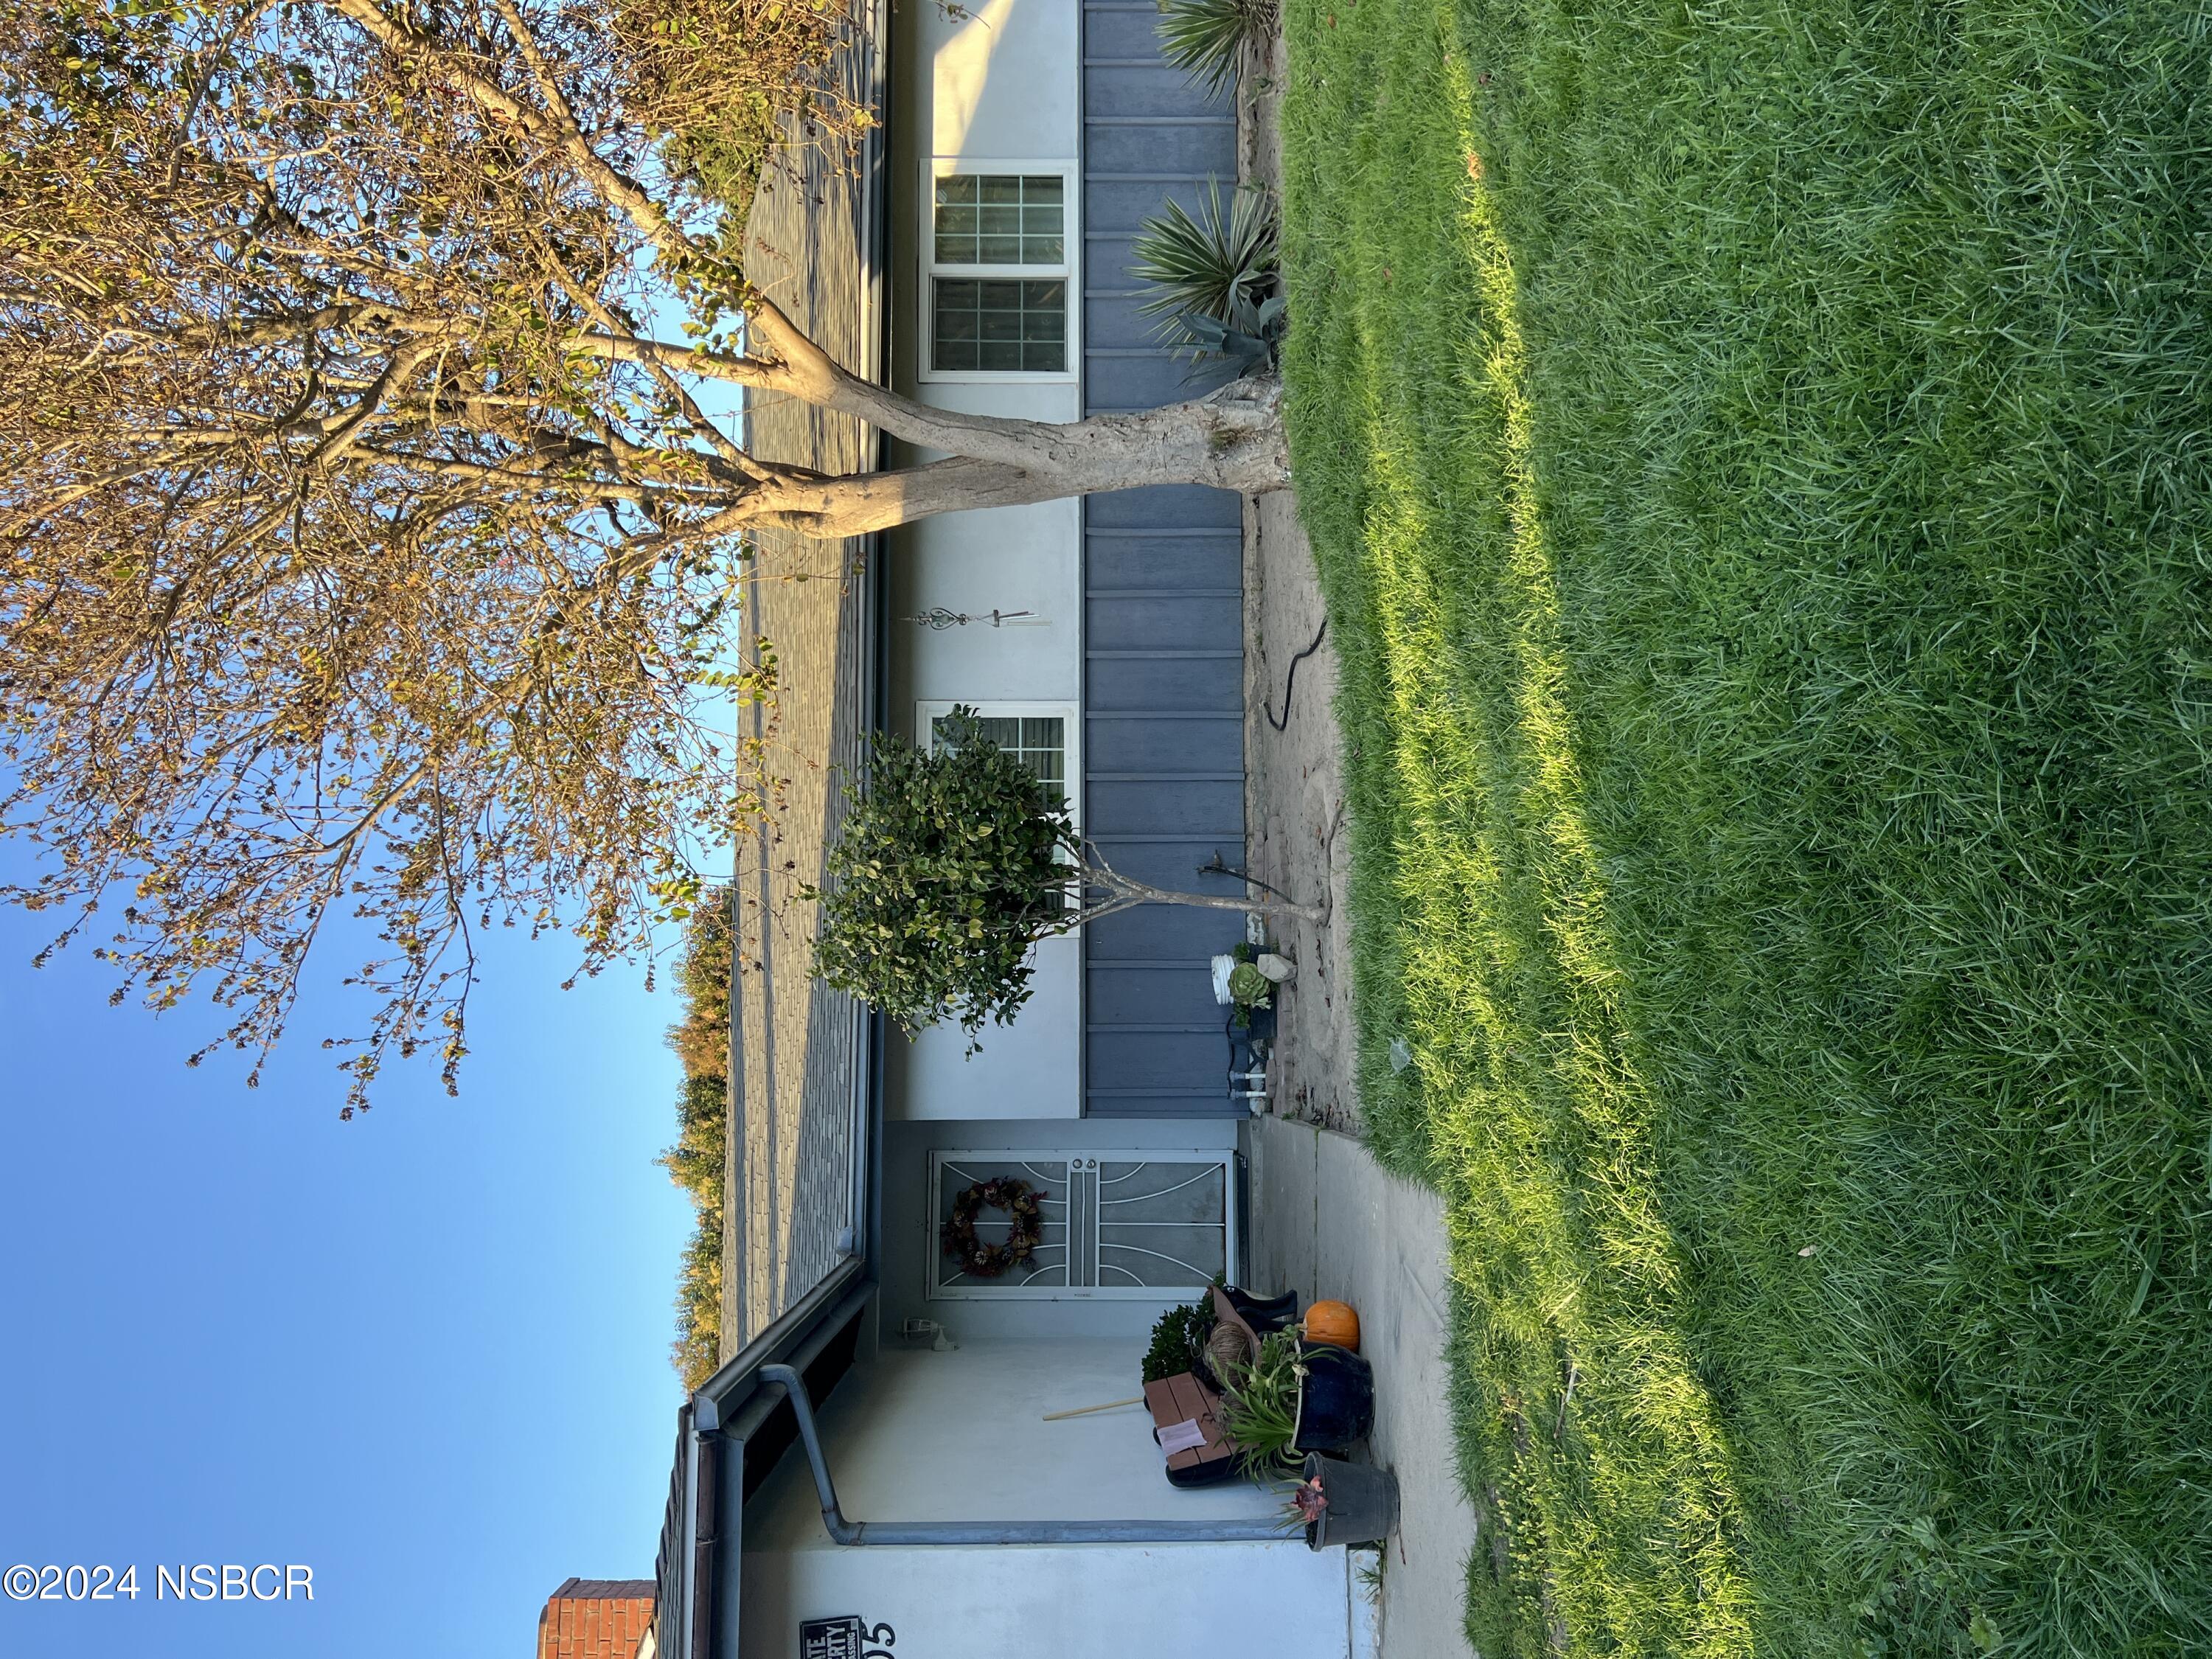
{"x": 917, "y": 1498}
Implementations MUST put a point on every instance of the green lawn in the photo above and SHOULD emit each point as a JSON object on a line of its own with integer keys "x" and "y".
{"x": 1759, "y": 460}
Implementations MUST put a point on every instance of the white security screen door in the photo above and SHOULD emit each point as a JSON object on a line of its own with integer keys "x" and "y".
{"x": 1152, "y": 1226}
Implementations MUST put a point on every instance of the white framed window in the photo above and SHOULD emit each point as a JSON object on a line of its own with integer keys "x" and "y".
{"x": 999, "y": 299}
{"x": 1042, "y": 736}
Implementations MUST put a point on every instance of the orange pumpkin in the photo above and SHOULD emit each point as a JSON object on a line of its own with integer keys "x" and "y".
{"x": 1334, "y": 1323}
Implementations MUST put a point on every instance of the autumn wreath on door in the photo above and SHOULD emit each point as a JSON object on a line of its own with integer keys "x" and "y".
{"x": 1020, "y": 1203}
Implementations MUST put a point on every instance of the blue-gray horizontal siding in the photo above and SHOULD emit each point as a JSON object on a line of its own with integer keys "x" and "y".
{"x": 1163, "y": 632}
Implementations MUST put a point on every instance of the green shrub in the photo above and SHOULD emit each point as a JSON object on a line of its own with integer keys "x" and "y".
{"x": 1179, "y": 1339}
{"x": 697, "y": 1349}
{"x": 701, "y": 1155}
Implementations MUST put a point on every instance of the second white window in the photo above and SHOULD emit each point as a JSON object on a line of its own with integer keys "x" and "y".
{"x": 1035, "y": 733}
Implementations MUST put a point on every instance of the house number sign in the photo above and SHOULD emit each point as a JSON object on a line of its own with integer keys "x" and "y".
{"x": 846, "y": 1636}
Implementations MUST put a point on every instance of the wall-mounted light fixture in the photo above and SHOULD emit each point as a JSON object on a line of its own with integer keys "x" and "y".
{"x": 937, "y": 618}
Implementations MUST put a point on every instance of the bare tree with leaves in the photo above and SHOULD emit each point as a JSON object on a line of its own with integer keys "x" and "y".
{"x": 364, "y": 545}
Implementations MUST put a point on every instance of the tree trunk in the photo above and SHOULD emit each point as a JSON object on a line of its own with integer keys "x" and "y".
{"x": 1231, "y": 439}
{"x": 1127, "y": 893}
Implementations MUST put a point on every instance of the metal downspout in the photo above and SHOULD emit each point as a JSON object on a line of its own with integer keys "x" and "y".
{"x": 842, "y": 1531}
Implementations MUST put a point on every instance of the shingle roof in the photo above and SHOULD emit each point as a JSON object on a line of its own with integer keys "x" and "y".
{"x": 799, "y": 1054}
{"x": 798, "y": 1069}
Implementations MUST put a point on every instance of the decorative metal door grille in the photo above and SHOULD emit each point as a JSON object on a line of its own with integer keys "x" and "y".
{"x": 1154, "y": 1229}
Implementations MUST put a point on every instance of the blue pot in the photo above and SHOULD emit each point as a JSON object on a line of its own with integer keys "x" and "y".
{"x": 1336, "y": 1400}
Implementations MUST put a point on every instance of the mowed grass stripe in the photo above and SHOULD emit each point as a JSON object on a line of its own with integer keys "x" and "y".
{"x": 1756, "y": 461}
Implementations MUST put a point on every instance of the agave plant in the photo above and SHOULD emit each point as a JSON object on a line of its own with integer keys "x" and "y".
{"x": 1207, "y": 37}
{"x": 1213, "y": 276}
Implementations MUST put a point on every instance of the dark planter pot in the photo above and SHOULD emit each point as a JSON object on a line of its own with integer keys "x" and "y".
{"x": 1336, "y": 1401}
{"x": 1363, "y": 1502}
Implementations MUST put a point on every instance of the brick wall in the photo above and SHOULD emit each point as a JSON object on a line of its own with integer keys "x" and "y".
{"x": 595, "y": 1618}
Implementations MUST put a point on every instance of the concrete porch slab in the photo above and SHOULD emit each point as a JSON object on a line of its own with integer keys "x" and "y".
{"x": 1329, "y": 1221}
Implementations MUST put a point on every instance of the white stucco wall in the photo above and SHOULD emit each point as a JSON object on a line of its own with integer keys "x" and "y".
{"x": 961, "y": 1436}
{"x": 918, "y": 1435}
{"x": 1005, "y": 79}
{"x": 1084, "y": 1602}
{"x": 999, "y": 81}
{"x": 1023, "y": 1071}
{"x": 1007, "y": 559}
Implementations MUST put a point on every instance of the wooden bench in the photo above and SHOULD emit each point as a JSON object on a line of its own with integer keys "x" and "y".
{"x": 1174, "y": 1401}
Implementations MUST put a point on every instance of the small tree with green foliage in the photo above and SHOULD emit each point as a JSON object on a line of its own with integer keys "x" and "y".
{"x": 952, "y": 864}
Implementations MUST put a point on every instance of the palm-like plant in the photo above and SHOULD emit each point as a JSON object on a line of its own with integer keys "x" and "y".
{"x": 1207, "y": 37}
{"x": 1213, "y": 276}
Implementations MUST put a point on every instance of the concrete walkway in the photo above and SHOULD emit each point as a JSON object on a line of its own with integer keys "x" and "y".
{"x": 1328, "y": 1222}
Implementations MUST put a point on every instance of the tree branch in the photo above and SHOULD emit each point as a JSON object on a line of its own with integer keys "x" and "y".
{"x": 614, "y": 186}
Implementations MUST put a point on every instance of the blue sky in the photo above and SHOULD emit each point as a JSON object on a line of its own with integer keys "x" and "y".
{"x": 424, "y": 1354}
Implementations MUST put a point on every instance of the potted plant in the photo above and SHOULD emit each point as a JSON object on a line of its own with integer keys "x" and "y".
{"x": 1336, "y": 1398}
{"x": 1259, "y": 1407}
{"x": 1297, "y": 1397}
{"x": 1340, "y": 1503}
{"x": 1250, "y": 988}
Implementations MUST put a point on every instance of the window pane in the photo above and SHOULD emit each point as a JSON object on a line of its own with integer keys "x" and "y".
{"x": 1038, "y": 741}
{"x": 1022, "y": 326}
{"x": 1001, "y": 219}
